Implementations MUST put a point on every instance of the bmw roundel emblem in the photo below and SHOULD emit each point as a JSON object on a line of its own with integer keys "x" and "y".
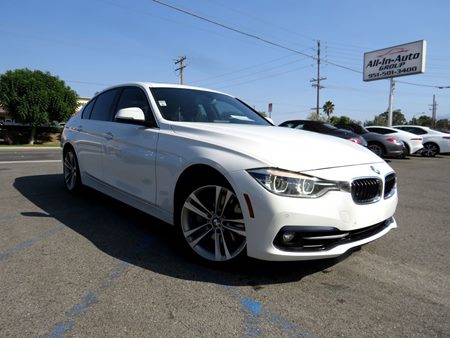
{"x": 375, "y": 170}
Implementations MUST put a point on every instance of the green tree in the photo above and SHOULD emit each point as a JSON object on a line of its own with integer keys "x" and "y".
{"x": 423, "y": 120}
{"x": 328, "y": 109}
{"x": 442, "y": 124}
{"x": 36, "y": 98}
{"x": 381, "y": 120}
{"x": 342, "y": 120}
{"x": 313, "y": 116}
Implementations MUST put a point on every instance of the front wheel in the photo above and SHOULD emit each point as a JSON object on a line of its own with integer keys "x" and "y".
{"x": 430, "y": 150}
{"x": 212, "y": 223}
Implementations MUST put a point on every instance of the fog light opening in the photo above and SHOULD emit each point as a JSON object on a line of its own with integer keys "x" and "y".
{"x": 288, "y": 236}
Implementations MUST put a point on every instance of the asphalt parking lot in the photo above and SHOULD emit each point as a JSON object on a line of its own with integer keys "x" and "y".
{"x": 89, "y": 266}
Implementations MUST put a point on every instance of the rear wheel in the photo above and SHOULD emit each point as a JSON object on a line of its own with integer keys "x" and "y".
{"x": 71, "y": 171}
{"x": 212, "y": 222}
{"x": 430, "y": 149}
{"x": 377, "y": 148}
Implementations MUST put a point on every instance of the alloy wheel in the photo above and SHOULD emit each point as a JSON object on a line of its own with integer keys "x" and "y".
{"x": 430, "y": 150}
{"x": 70, "y": 171}
{"x": 213, "y": 224}
{"x": 377, "y": 149}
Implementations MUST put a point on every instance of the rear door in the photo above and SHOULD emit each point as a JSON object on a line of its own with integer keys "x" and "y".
{"x": 93, "y": 127}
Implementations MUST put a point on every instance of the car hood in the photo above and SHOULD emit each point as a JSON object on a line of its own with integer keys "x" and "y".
{"x": 280, "y": 147}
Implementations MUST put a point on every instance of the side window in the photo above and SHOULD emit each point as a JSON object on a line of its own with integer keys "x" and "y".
{"x": 382, "y": 131}
{"x": 305, "y": 126}
{"x": 413, "y": 130}
{"x": 345, "y": 127}
{"x": 103, "y": 105}
{"x": 135, "y": 97}
{"x": 419, "y": 131}
{"x": 87, "y": 110}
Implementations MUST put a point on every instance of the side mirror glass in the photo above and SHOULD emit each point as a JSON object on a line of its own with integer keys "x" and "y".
{"x": 130, "y": 115}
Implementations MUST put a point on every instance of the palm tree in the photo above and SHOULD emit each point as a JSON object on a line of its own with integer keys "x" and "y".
{"x": 328, "y": 108}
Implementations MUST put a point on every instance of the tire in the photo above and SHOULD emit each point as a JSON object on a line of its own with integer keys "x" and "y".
{"x": 430, "y": 149}
{"x": 211, "y": 222}
{"x": 407, "y": 150}
{"x": 71, "y": 170}
{"x": 377, "y": 148}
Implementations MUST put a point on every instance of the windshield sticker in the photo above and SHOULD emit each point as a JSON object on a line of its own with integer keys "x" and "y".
{"x": 162, "y": 103}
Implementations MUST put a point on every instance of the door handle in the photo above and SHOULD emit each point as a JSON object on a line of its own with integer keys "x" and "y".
{"x": 108, "y": 135}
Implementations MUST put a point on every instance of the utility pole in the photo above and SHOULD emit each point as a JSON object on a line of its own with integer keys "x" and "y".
{"x": 317, "y": 85}
{"x": 433, "y": 112}
{"x": 180, "y": 61}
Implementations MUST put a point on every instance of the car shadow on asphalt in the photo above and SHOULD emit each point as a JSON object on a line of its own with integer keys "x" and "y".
{"x": 141, "y": 240}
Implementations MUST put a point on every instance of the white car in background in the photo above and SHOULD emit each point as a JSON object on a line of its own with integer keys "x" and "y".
{"x": 230, "y": 181}
{"x": 413, "y": 143}
{"x": 434, "y": 142}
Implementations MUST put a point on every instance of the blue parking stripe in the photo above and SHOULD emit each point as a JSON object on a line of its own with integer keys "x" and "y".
{"x": 92, "y": 297}
{"x": 30, "y": 242}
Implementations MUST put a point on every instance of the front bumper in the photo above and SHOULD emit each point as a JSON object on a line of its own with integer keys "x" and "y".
{"x": 334, "y": 211}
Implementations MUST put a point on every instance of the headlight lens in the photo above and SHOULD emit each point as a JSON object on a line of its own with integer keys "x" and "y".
{"x": 286, "y": 183}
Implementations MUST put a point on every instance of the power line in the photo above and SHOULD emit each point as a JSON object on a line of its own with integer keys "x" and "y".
{"x": 232, "y": 29}
{"x": 254, "y": 73}
{"x": 264, "y": 77}
{"x": 248, "y": 68}
{"x": 423, "y": 85}
{"x": 275, "y": 44}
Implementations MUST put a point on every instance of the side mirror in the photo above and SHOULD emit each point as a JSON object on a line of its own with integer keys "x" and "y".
{"x": 130, "y": 115}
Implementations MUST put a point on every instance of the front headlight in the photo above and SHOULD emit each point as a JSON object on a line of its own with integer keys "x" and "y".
{"x": 286, "y": 183}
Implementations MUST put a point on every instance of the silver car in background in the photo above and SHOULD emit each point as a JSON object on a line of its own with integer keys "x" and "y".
{"x": 413, "y": 143}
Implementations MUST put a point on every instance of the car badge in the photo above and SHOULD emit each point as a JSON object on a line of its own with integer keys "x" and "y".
{"x": 375, "y": 170}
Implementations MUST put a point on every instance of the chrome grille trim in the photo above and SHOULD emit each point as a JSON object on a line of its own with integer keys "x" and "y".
{"x": 390, "y": 185}
{"x": 366, "y": 190}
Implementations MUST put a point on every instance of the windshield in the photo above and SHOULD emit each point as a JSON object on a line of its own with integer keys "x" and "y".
{"x": 192, "y": 105}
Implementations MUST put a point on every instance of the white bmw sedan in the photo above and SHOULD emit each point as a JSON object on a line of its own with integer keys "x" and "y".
{"x": 230, "y": 181}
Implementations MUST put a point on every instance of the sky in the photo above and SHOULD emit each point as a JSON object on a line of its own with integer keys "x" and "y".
{"x": 98, "y": 43}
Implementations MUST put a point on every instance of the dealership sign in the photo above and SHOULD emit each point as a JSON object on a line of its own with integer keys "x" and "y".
{"x": 407, "y": 59}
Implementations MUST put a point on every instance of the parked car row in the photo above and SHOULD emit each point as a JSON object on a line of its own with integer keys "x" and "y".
{"x": 413, "y": 143}
{"x": 434, "y": 142}
{"x": 397, "y": 141}
{"x": 325, "y": 128}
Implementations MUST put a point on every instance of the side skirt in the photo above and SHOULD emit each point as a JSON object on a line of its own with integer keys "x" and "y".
{"x": 127, "y": 198}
